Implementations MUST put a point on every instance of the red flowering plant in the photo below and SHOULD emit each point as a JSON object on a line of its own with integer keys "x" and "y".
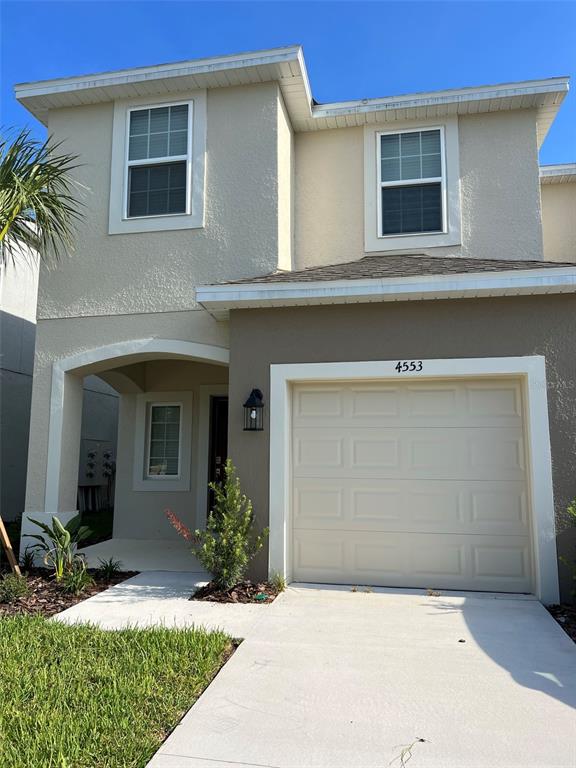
{"x": 179, "y": 526}
{"x": 229, "y": 543}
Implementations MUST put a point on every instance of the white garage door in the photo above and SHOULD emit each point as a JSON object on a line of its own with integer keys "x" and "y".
{"x": 411, "y": 484}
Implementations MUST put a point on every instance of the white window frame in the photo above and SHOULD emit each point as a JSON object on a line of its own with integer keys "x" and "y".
{"x": 412, "y": 182}
{"x": 142, "y": 480}
{"x": 193, "y": 217}
{"x": 187, "y": 158}
{"x": 450, "y": 189}
{"x": 150, "y": 406}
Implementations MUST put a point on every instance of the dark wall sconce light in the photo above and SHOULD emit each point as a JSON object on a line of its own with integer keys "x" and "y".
{"x": 254, "y": 412}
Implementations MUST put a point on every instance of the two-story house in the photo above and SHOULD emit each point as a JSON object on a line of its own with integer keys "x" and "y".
{"x": 372, "y": 272}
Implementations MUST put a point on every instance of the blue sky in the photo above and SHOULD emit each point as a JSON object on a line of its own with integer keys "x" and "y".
{"x": 352, "y": 49}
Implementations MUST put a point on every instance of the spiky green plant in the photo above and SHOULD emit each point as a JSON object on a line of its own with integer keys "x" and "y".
{"x": 38, "y": 198}
{"x": 59, "y": 543}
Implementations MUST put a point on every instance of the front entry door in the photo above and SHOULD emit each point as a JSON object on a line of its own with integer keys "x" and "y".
{"x": 218, "y": 442}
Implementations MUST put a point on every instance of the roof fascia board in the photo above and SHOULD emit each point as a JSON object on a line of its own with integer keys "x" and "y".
{"x": 197, "y": 67}
{"x": 222, "y": 297}
{"x": 561, "y": 169}
{"x": 438, "y": 98}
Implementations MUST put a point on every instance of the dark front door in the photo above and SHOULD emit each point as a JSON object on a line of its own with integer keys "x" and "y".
{"x": 218, "y": 442}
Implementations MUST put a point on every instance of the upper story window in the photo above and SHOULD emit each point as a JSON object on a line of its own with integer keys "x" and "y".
{"x": 158, "y": 164}
{"x": 158, "y": 160}
{"x": 411, "y": 186}
{"x": 411, "y": 182}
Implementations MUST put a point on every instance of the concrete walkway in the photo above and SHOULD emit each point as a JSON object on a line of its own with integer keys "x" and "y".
{"x": 330, "y": 678}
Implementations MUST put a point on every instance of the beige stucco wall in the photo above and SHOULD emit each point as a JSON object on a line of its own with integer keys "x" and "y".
{"x": 140, "y": 514}
{"x": 499, "y": 327}
{"x": 559, "y": 221}
{"x": 156, "y": 272}
{"x": 285, "y": 187}
{"x": 499, "y": 192}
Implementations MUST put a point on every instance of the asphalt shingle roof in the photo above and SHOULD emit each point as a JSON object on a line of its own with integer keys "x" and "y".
{"x": 413, "y": 265}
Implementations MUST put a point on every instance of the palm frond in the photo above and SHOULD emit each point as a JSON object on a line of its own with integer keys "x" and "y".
{"x": 39, "y": 203}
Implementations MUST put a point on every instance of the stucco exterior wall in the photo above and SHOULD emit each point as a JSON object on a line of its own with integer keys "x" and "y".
{"x": 140, "y": 514}
{"x": 539, "y": 325}
{"x": 18, "y": 288}
{"x": 285, "y": 187}
{"x": 157, "y": 271}
{"x": 559, "y": 221}
{"x": 499, "y": 191}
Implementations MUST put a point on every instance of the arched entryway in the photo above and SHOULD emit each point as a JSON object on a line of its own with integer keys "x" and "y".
{"x": 166, "y": 389}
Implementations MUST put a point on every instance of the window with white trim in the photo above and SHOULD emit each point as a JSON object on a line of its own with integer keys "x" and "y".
{"x": 158, "y": 162}
{"x": 411, "y": 181}
{"x": 164, "y": 429}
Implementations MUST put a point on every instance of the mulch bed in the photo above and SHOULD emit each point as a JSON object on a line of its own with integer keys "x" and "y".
{"x": 47, "y": 598}
{"x": 565, "y": 615}
{"x": 244, "y": 592}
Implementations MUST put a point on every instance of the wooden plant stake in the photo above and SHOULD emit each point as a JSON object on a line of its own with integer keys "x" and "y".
{"x": 8, "y": 548}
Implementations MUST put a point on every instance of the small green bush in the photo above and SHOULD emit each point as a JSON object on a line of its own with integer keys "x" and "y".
{"x": 571, "y": 563}
{"x": 278, "y": 582}
{"x": 76, "y": 578}
{"x": 12, "y": 587}
{"x": 27, "y": 559}
{"x": 108, "y": 569}
{"x": 229, "y": 543}
{"x": 59, "y": 543}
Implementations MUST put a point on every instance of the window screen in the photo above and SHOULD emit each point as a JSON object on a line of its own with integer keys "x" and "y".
{"x": 164, "y": 440}
{"x": 160, "y": 133}
{"x": 411, "y": 182}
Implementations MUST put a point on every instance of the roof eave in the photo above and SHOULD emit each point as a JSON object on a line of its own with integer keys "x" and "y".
{"x": 287, "y": 67}
{"x": 220, "y": 299}
{"x": 562, "y": 173}
{"x": 259, "y": 66}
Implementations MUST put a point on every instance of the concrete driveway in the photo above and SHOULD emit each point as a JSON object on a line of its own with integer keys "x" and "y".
{"x": 334, "y": 678}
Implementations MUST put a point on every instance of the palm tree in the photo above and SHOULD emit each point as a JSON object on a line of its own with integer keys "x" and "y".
{"x": 37, "y": 207}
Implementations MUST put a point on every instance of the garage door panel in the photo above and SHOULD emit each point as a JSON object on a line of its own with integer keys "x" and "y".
{"x": 415, "y": 560}
{"x": 491, "y": 453}
{"x": 486, "y": 403}
{"x": 317, "y": 453}
{"x": 405, "y": 505}
{"x": 412, "y": 483}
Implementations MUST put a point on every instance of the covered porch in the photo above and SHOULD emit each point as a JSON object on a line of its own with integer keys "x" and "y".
{"x": 172, "y": 441}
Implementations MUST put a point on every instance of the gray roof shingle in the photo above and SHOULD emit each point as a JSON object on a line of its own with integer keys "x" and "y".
{"x": 412, "y": 265}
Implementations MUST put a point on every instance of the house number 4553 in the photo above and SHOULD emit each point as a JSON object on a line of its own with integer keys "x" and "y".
{"x": 404, "y": 366}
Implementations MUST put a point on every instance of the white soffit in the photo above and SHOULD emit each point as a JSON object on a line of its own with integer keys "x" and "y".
{"x": 220, "y": 299}
{"x": 286, "y": 66}
{"x": 565, "y": 173}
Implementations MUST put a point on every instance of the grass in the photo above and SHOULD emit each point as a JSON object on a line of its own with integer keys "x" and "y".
{"x": 81, "y": 697}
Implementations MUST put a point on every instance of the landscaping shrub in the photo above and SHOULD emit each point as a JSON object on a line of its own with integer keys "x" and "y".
{"x": 12, "y": 587}
{"x": 229, "y": 542}
{"x": 59, "y": 543}
{"x": 76, "y": 578}
{"x": 108, "y": 569}
{"x": 571, "y": 563}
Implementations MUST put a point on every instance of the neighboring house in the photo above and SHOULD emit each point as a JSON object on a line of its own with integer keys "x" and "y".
{"x": 376, "y": 268}
{"x": 18, "y": 296}
{"x": 558, "y": 191}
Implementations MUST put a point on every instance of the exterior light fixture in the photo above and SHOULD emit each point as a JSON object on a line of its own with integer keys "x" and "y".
{"x": 254, "y": 412}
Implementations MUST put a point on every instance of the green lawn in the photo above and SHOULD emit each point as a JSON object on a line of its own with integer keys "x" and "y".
{"x": 80, "y": 697}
